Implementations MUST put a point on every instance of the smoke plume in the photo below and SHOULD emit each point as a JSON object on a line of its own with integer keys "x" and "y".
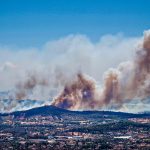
{"x": 24, "y": 88}
{"x": 67, "y": 73}
{"x": 131, "y": 80}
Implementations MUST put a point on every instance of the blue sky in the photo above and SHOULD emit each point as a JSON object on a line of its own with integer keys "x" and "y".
{"x": 33, "y": 22}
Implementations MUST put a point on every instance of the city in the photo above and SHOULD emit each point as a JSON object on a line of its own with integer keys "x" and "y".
{"x": 36, "y": 129}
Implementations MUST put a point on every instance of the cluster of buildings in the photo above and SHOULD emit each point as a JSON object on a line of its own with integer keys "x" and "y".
{"x": 51, "y": 132}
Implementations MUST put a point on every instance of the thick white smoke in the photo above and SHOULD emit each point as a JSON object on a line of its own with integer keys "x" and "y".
{"x": 121, "y": 85}
{"x": 41, "y": 73}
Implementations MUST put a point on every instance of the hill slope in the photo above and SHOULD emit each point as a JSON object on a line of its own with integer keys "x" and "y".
{"x": 55, "y": 111}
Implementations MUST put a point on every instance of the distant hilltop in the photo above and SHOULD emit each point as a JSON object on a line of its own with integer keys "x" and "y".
{"x": 62, "y": 113}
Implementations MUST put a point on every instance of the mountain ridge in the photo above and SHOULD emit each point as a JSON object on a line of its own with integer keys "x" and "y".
{"x": 55, "y": 111}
